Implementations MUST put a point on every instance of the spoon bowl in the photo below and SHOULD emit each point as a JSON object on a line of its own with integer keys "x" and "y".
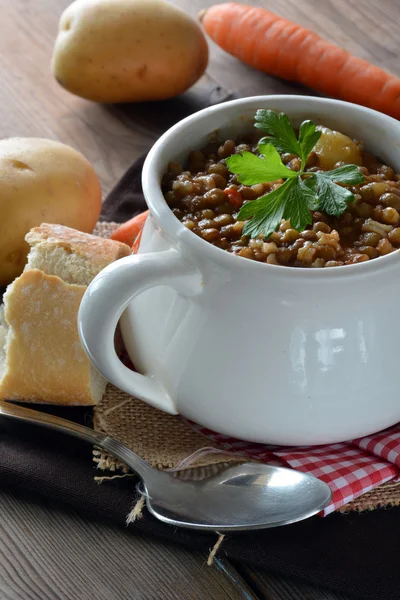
{"x": 241, "y": 497}
{"x": 227, "y": 497}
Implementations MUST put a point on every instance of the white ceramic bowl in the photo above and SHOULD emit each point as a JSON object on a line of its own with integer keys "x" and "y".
{"x": 262, "y": 352}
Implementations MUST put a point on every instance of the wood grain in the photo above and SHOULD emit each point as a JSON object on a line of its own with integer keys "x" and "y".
{"x": 49, "y": 554}
{"x": 274, "y": 587}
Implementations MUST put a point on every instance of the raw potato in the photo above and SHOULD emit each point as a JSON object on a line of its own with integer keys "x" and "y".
{"x": 41, "y": 181}
{"x": 333, "y": 147}
{"x": 128, "y": 50}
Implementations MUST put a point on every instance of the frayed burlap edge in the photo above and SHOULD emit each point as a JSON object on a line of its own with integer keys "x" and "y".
{"x": 165, "y": 441}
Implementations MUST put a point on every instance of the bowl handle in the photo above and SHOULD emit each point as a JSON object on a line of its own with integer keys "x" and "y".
{"x": 104, "y": 302}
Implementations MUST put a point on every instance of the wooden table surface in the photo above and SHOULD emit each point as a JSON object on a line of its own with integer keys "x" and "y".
{"x": 47, "y": 553}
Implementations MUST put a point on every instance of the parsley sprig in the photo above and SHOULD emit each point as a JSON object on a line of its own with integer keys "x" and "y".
{"x": 301, "y": 191}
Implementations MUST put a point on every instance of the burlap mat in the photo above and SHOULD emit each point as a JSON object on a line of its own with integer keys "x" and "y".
{"x": 166, "y": 441}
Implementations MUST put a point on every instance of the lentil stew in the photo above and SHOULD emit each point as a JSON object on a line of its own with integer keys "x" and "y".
{"x": 206, "y": 197}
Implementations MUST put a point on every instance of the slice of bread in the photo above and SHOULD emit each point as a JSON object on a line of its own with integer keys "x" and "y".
{"x": 41, "y": 358}
{"x": 73, "y": 256}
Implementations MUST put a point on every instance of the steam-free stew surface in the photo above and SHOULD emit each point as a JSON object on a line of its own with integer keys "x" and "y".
{"x": 206, "y": 197}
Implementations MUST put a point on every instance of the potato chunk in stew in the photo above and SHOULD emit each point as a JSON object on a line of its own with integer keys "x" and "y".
{"x": 335, "y": 148}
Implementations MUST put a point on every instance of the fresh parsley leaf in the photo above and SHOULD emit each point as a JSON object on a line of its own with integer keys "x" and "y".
{"x": 282, "y": 134}
{"x": 332, "y": 199}
{"x": 266, "y": 212}
{"x": 289, "y": 201}
{"x": 297, "y": 205}
{"x": 252, "y": 169}
{"x": 313, "y": 198}
{"x": 308, "y": 137}
{"x": 280, "y": 130}
{"x": 348, "y": 174}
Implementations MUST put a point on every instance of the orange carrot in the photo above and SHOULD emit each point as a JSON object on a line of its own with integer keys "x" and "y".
{"x": 128, "y": 231}
{"x": 287, "y": 50}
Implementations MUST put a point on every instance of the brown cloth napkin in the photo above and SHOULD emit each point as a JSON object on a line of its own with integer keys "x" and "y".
{"x": 355, "y": 553}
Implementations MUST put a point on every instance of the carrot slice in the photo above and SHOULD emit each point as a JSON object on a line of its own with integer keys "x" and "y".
{"x": 128, "y": 231}
{"x": 234, "y": 197}
{"x": 279, "y": 47}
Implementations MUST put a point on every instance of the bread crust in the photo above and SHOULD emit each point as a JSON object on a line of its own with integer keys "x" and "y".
{"x": 99, "y": 252}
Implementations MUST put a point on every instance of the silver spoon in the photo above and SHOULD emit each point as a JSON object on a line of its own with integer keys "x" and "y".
{"x": 239, "y": 497}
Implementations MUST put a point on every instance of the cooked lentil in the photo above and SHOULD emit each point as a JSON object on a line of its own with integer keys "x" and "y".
{"x": 206, "y": 197}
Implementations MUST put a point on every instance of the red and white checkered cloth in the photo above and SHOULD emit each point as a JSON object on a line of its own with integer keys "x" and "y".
{"x": 350, "y": 469}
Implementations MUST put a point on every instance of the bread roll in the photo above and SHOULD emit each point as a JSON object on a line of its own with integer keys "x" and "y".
{"x": 41, "y": 358}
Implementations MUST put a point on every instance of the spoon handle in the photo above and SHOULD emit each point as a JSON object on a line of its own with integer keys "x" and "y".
{"x": 114, "y": 447}
{"x": 20, "y": 413}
